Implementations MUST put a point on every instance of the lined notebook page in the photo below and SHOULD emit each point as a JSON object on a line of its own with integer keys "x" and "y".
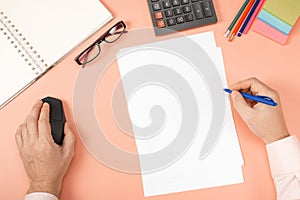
{"x": 55, "y": 27}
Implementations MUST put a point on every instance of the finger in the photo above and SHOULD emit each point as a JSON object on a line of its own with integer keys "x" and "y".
{"x": 69, "y": 140}
{"x": 32, "y": 125}
{"x": 253, "y": 85}
{"x": 36, "y": 109}
{"x": 240, "y": 104}
{"x": 24, "y": 134}
{"x": 44, "y": 114}
{"x": 44, "y": 128}
{"x": 18, "y": 137}
{"x": 248, "y": 91}
{"x": 32, "y": 120}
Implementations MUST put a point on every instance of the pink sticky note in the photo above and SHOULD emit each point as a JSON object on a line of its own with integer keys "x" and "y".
{"x": 270, "y": 32}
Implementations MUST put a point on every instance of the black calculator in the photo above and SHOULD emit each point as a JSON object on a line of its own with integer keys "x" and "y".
{"x": 175, "y": 15}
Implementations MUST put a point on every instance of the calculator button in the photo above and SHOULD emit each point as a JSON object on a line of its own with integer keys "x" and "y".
{"x": 161, "y": 24}
{"x": 171, "y": 22}
{"x": 178, "y": 11}
{"x": 175, "y": 2}
{"x": 180, "y": 20}
{"x": 195, "y": 0}
{"x": 166, "y": 4}
{"x": 156, "y": 6}
{"x": 169, "y": 13}
{"x": 189, "y": 17}
{"x": 154, "y": 0}
{"x": 183, "y": 2}
{"x": 207, "y": 9}
{"x": 158, "y": 15}
{"x": 198, "y": 10}
{"x": 187, "y": 9}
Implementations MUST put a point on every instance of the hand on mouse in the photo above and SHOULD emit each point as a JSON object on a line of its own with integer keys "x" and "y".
{"x": 44, "y": 161}
{"x": 267, "y": 122}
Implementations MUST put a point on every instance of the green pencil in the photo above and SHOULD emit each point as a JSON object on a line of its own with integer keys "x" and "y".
{"x": 236, "y": 18}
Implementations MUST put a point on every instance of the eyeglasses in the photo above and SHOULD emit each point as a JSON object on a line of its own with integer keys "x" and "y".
{"x": 110, "y": 36}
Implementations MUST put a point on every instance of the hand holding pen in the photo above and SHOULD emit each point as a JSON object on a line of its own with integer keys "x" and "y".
{"x": 256, "y": 98}
{"x": 266, "y": 121}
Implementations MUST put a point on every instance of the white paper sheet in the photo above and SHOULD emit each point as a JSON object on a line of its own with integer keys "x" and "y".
{"x": 223, "y": 165}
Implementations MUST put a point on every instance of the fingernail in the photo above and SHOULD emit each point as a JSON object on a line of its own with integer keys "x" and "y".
{"x": 234, "y": 94}
{"x": 45, "y": 105}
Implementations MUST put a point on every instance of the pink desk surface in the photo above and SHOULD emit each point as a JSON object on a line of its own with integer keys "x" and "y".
{"x": 250, "y": 55}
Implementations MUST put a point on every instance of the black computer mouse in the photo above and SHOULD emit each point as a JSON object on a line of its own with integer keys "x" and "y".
{"x": 57, "y": 119}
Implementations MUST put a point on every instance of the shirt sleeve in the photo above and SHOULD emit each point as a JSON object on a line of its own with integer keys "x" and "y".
{"x": 284, "y": 158}
{"x": 40, "y": 196}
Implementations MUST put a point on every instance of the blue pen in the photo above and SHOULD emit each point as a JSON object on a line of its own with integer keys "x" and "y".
{"x": 260, "y": 99}
{"x": 248, "y": 18}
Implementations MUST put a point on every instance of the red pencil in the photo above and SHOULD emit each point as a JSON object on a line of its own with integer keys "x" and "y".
{"x": 241, "y": 20}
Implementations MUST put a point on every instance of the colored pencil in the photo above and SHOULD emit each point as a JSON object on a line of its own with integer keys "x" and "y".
{"x": 237, "y": 16}
{"x": 254, "y": 16}
{"x": 248, "y": 18}
{"x": 241, "y": 20}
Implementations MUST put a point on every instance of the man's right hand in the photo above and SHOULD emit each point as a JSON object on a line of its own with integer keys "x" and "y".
{"x": 267, "y": 122}
{"x": 44, "y": 161}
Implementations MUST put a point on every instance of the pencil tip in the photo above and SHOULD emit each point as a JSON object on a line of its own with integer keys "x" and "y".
{"x": 239, "y": 34}
{"x": 231, "y": 37}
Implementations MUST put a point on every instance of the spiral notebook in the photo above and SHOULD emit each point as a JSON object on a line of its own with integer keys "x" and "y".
{"x": 35, "y": 35}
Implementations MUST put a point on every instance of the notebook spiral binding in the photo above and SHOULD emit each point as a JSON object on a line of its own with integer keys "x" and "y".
{"x": 21, "y": 45}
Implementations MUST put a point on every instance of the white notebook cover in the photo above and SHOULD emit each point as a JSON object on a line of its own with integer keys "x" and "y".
{"x": 51, "y": 29}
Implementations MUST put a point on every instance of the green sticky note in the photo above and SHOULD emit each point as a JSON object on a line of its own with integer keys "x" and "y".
{"x": 286, "y": 10}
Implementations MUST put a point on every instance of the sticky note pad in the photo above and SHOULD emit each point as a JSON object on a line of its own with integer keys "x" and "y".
{"x": 286, "y": 10}
{"x": 277, "y": 19}
{"x": 270, "y": 32}
{"x": 275, "y": 22}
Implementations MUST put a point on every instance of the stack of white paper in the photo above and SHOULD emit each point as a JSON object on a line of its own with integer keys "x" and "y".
{"x": 223, "y": 166}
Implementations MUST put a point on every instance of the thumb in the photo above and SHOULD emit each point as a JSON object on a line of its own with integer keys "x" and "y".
{"x": 69, "y": 140}
{"x": 240, "y": 104}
